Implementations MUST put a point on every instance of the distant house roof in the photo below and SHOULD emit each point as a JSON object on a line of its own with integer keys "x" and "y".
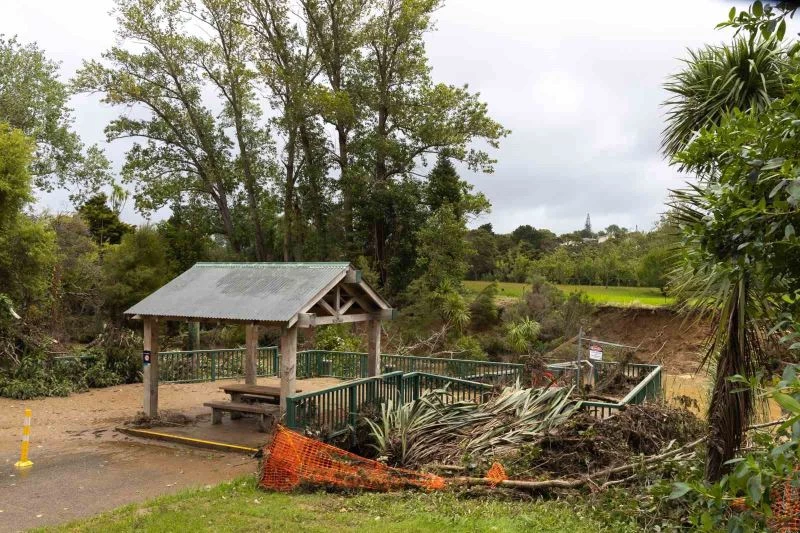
{"x": 261, "y": 292}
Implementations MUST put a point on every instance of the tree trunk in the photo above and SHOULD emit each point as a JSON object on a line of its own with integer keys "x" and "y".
{"x": 288, "y": 195}
{"x": 344, "y": 183}
{"x": 227, "y": 222}
{"x": 381, "y": 176}
{"x": 315, "y": 176}
{"x": 730, "y": 412}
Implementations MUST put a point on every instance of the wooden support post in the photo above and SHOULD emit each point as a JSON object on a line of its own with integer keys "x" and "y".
{"x": 374, "y": 361}
{"x": 193, "y": 336}
{"x": 288, "y": 365}
{"x": 251, "y": 354}
{"x": 193, "y": 342}
{"x": 150, "y": 372}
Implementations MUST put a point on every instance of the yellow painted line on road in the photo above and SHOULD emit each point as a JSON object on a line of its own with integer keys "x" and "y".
{"x": 189, "y": 441}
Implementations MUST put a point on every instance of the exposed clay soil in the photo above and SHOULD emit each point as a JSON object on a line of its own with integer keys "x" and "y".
{"x": 661, "y": 335}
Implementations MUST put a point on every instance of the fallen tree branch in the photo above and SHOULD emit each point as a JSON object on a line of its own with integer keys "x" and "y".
{"x": 605, "y": 473}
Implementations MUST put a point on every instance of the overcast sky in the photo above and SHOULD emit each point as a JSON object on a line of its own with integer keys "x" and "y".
{"x": 579, "y": 86}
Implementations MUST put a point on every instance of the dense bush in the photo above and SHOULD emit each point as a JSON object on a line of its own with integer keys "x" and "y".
{"x": 484, "y": 313}
{"x": 337, "y": 338}
{"x": 469, "y": 347}
{"x": 33, "y": 377}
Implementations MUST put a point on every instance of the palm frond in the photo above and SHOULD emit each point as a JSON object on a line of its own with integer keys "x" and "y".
{"x": 746, "y": 75}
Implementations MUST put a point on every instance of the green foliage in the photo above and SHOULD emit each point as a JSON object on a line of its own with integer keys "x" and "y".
{"x": 15, "y": 181}
{"x": 337, "y": 337}
{"x": 443, "y": 249}
{"x": 26, "y": 248}
{"x": 737, "y": 220}
{"x": 483, "y": 310}
{"x": 104, "y": 223}
{"x": 747, "y": 75}
{"x": 522, "y": 334}
{"x": 33, "y": 100}
{"x": 77, "y": 282}
{"x": 31, "y": 378}
{"x": 438, "y": 428}
{"x": 771, "y": 463}
{"x": 469, "y": 347}
{"x": 134, "y": 268}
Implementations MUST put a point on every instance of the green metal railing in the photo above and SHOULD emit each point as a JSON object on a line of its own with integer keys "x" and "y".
{"x": 211, "y": 365}
{"x": 649, "y": 388}
{"x": 482, "y": 371}
{"x": 352, "y": 365}
{"x": 404, "y": 379}
{"x": 342, "y": 365}
{"x": 335, "y": 410}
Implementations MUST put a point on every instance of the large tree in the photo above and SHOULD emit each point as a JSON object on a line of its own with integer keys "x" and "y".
{"x": 407, "y": 115}
{"x": 288, "y": 67}
{"x": 739, "y": 253}
{"x": 184, "y": 148}
{"x": 35, "y": 101}
{"x": 225, "y": 60}
{"x": 26, "y": 246}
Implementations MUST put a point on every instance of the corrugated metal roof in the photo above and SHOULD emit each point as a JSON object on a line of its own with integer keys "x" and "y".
{"x": 265, "y": 292}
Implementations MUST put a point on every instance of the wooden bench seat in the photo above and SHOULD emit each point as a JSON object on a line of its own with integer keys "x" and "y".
{"x": 258, "y": 398}
{"x": 261, "y": 410}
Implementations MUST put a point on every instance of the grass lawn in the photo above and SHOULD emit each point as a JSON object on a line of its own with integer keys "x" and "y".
{"x": 241, "y": 506}
{"x": 622, "y": 296}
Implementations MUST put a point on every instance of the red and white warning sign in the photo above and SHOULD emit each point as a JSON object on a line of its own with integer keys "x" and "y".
{"x": 595, "y": 352}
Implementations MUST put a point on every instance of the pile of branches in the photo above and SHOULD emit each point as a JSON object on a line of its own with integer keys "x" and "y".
{"x": 436, "y": 429}
{"x": 585, "y": 444}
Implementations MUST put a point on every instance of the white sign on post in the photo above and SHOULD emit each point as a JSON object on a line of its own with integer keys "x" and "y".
{"x": 595, "y": 352}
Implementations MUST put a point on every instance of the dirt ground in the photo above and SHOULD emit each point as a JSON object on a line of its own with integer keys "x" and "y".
{"x": 82, "y": 466}
{"x": 662, "y": 336}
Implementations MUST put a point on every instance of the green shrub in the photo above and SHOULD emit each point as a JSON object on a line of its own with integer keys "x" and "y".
{"x": 337, "y": 338}
{"x": 31, "y": 378}
{"x": 469, "y": 347}
{"x": 98, "y": 375}
{"x": 484, "y": 312}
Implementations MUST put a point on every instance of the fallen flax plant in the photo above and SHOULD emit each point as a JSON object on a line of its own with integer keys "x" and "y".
{"x": 435, "y": 428}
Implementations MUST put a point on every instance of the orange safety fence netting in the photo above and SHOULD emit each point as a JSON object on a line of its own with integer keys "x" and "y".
{"x": 785, "y": 508}
{"x": 784, "y": 504}
{"x": 496, "y": 473}
{"x": 293, "y": 460}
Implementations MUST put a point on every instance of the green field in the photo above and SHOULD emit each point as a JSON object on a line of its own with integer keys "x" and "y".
{"x": 240, "y": 506}
{"x": 621, "y": 296}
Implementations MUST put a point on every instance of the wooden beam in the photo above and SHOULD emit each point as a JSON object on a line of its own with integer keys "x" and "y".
{"x": 349, "y": 303}
{"x": 306, "y": 320}
{"x": 325, "y": 305}
{"x": 310, "y": 320}
{"x": 365, "y": 305}
{"x": 374, "y": 295}
{"x": 251, "y": 354}
{"x": 288, "y": 351}
{"x": 150, "y": 367}
{"x": 374, "y": 352}
{"x": 338, "y": 299}
{"x": 353, "y": 276}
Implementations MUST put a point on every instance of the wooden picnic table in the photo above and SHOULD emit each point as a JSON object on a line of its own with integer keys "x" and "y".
{"x": 241, "y": 391}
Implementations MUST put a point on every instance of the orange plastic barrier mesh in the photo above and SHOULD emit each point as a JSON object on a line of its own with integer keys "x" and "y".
{"x": 785, "y": 507}
{"x": 496, "y": 473}
{"x": 293, "y": 460}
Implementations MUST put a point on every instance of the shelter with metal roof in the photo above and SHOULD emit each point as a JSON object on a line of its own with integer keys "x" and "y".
{"x": 284, "y": 295}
